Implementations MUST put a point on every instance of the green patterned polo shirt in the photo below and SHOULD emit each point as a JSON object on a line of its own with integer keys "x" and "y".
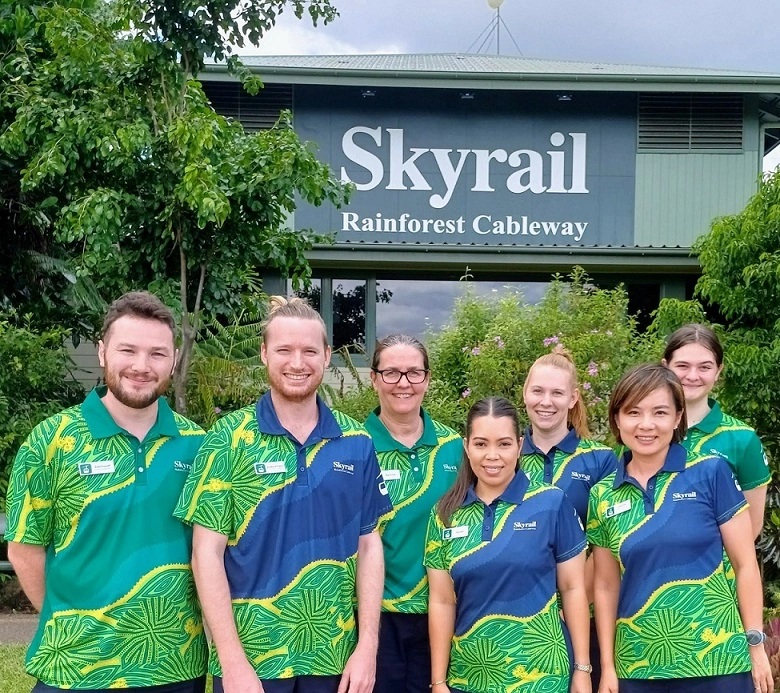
{"x": 120, "y": 609}
{"x": 416, "y": 479}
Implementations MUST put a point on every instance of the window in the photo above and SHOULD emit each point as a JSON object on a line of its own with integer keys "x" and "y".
{"x": 417, "y": 307}
{"x": 349, "y": 314}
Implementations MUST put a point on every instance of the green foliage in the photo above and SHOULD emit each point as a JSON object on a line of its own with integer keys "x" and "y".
{"x": 117, "y": 164}
{"x": 490, "y": 344}
{"x": 740, "y": 260}
{"x": 226, "y": 372}
{"x": 35, "y": 383}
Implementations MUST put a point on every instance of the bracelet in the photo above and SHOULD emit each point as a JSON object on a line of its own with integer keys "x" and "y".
{"x": 587, "y": 668}
{"x": 437, "y": 683}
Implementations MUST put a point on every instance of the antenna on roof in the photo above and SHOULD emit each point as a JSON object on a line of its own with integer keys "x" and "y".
{"x": 493, "y": 29}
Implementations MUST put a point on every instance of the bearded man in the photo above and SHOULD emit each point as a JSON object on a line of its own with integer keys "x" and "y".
{"x": 90, "y": 526}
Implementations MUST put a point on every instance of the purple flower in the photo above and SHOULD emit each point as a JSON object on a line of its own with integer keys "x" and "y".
{"x": 586, "y": 386}
{"x": 475, "y": 351}
{"x": 465, "y": 393}
{"x": 499, "y": 342}
{"x": 550, "y": 340}
{"x": 593, "y": 368}
{"x": 217, "y": 410}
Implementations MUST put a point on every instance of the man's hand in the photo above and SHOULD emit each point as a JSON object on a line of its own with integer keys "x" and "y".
{"x": 360, "y": 672}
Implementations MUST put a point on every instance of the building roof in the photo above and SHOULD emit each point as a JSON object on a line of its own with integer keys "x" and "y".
{"x": 496, "y": 71}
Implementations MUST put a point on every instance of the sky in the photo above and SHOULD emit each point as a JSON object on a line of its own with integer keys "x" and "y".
{"x": 716, "y": 33}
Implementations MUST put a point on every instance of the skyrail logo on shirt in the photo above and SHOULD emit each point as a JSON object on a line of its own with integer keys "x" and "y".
{"x": 342, "y": 467}
{"x": 579, "y": 476}
{"x": 524, "y": 526}
{"x": 180, "y": 466}
{"x": 450, "y": 467}
{"x": 684, "y": 496}
{"x": 719, "y": 454}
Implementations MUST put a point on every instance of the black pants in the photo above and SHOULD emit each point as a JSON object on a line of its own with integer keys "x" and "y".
{"x": 730, "y": 683}
{"x": 403, "y": 663}
{"x": 193, "y": 686}
{"x": 297, "y": 684}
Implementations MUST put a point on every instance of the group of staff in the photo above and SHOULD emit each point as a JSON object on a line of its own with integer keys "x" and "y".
{"x": 670, "y": 524}
{"x": 329, "y": 556}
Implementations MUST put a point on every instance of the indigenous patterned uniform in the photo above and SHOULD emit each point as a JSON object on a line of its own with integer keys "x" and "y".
{"x": 293, "y": 515}
{"x": 120, "y": 609}
{"x": 735, "y": 441}
{"x": 416, "y": 478}
{"x": 503, "y": 558}
{"x": 575, "y": 465}
{"x": 677, "y": 615}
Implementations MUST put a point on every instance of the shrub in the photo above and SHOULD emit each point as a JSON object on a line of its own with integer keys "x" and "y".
{"x": 35, "y": 382}
{"x": 490, "y": 344}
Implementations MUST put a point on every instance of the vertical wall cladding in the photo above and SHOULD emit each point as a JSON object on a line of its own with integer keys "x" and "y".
{"x": 678, "y": 195}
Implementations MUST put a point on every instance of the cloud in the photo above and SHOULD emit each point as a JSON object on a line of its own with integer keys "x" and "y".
{"x": 299, "y": 38}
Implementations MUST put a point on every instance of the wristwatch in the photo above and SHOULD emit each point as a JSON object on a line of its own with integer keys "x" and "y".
{"x": 755, "y": 637}
{"x": 588, "y": 668}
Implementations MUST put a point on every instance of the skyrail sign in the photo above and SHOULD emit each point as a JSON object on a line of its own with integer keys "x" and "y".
{"x": 496, "y": 179}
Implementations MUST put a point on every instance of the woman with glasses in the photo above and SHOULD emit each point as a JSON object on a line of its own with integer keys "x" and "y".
{"x": 419, "y": 459}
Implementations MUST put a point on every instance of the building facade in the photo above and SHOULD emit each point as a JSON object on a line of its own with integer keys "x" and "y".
{"x": 505, "y": 170}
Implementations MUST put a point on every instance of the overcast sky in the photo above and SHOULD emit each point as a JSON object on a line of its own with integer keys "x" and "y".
{"x": 727, "y": 34}
{"x": 689, "y": 33}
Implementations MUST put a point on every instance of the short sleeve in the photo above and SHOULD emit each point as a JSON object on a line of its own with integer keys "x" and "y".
{"x": 595, "y": 528}
{"x": 29, "y": 507}
{"x": 436, "y": 554}
{"x": 608, "y": 463}
{"x": 376, "y": 499}
{"x": 727, "y": 495}
{"x": 569, "y": 533}
{"x": 752, "y": 467}
{"x": 207, "y": 496}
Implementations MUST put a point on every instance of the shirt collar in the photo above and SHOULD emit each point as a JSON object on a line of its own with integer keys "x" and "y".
{"x": 102, "y": 425}
{"x": 514, "y": 493}
{"x": 568, "y": 444}
{"x": 384, "y": 442}
{"x": 268, "y": 421}
{"x": 675, "y": 461}
{"x": 711, "y": 422}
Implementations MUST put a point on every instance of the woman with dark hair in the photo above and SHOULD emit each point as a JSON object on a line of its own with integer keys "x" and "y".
{"x": 666, "y": 615}
{"x": 557, "y": 448}
{"x": 695, "y": 355}
{"x": 499, "y": 548}
{"x": 419, "y": 458}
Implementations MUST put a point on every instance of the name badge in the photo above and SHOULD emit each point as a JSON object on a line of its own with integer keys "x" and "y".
{"x": 391, "y": 474}
{"x": 618, "y": 508}
{"x": 454, "y": 532}
{"x": 276, "y": 467}
{"x": 92, "y": 468}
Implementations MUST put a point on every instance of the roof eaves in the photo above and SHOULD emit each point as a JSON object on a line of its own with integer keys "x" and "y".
{"x": 511, "y": 80}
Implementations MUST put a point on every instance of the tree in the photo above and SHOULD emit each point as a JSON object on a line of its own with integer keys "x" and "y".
{"x": 123, "y": 164}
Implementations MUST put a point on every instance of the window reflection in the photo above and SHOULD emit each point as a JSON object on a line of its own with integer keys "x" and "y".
{"x": 349, "y": 314}
{"x": 417, "y": 307}
{"x": 312, "y": 293}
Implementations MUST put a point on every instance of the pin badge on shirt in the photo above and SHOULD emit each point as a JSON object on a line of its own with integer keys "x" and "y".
{"x": 454, "y": 532}
{"x": 92, "y": 468}
{"x": 618, "y": 508}
{"x": 275, "y": 467}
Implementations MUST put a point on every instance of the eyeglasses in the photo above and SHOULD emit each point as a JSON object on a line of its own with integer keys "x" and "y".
{"x": 391, "y": 376}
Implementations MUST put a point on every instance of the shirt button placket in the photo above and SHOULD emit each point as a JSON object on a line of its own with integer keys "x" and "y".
{"x": 140, "y": 468}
